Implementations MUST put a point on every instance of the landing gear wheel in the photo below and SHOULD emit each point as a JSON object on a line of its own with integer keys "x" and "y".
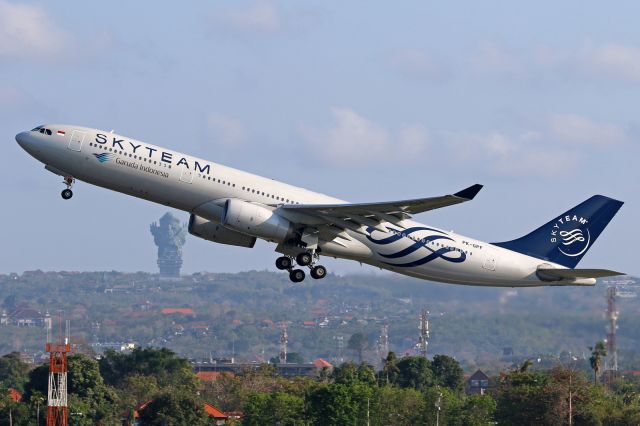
{"x": 297, "y": 275}
{"x": 66, "y": 193}
{"x": 318, "y": 272}
{"x": 304, "y": 259}
{"x": 283, "y": 263}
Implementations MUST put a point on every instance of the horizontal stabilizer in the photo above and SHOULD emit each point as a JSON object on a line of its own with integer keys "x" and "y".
{"x": 551, "y": 273}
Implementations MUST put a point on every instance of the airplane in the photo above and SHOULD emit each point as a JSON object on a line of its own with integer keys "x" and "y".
{"x": 230, "y": 206}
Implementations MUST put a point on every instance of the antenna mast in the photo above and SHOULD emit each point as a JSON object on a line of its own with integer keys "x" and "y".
{"x": 423, "y": 341}
{"x": 57, "y": 410}
{"x": 283, "y": 343}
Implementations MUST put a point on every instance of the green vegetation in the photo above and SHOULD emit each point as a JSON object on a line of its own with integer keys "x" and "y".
{"x": 407, "y": 391}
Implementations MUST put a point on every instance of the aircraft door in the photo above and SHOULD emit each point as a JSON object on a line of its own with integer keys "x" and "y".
{"x": 186, "y": 175}
{"x": 75, "y": 143}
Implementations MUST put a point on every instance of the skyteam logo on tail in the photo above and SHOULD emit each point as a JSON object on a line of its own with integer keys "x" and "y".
{"x": 103, "y": 157}
{"x": 571, "y": 235}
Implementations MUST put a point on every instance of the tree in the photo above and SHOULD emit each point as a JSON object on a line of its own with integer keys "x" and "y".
{"x": 478, "y": 410}
{"x": 13, "y": 372}
{"x": 163, "y": 364}
{"x": 598, "y": 353}
{"x": 332, "y": 405}
{"x": 350, "y": 373}
{"x": 37, "y": 399}
{"x": 278, "y": 408}
{"x": 174, "y": 408}
{"x": 390, "y": 369}
{"x": 414, "y": 372}
{"x": 358, "y": 342}
{"x": 524, "y": 399}
{"x": 447, "y": 372}
{"x": 12, "y": 412}
{"x": 395, "y": 406}
{"x": 137, "y": 389}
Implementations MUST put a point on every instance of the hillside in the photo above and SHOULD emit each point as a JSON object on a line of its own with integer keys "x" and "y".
{"x": 225, "y": 314}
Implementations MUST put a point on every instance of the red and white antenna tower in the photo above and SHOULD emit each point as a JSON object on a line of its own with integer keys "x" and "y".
{"x": 57, "y": 410}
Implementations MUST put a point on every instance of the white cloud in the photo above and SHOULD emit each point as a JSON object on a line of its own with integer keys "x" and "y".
{"x": 227, "y": 131}
{"x": 27, "y": 31}
{"x": 578, "y": 129}
{"x": 616, "y": 60}
{"x": 354, "y": 139}
{"x": 498, "y": 153}
{"x": 555, "y": 147}
{"x": 260, "y": 17}
{"x": 613, "y": 61}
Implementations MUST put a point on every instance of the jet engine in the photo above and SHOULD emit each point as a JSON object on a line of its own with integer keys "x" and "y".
{"x": 255, "y": 220}
{"x": 211, "y": 231}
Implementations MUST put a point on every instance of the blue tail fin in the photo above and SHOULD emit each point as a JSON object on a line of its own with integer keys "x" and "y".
{"x": 567, "y": 238}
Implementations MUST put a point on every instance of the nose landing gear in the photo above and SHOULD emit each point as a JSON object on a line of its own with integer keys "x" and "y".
{"x": 67, "y": 193}
{"x": 303, "y": 259}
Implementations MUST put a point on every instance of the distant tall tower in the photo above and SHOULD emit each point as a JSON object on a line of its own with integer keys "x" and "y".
{"x": 282, "y": 358}
{"x": 169, "y": 235}
{"x": 57, "y": 410}
{"x": 383, "y": 343}
{"x": 423, "y": 340}
{"x": 612, "y": 319}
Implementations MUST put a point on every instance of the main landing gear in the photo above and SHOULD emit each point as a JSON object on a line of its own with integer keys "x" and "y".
{"x": 67, "y": 193}
{"x": 303, "y": 259}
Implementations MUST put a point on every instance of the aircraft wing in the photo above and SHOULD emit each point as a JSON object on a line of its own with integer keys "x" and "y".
{"x": 578, "y": 273}
{"x": 362, "y": 215}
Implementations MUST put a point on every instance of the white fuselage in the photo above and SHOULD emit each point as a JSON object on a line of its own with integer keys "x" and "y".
{"x": 201, "y": 187}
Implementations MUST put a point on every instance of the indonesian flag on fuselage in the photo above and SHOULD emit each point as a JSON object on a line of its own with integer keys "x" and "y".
{"x": 60, "y": 132}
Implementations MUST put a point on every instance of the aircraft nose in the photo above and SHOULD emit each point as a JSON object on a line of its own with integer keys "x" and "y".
{"x": 21, "y": 138}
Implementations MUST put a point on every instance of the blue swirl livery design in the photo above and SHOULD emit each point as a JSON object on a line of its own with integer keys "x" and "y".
{"x": 420, "y": 245}
{"x": 103, "y": 157}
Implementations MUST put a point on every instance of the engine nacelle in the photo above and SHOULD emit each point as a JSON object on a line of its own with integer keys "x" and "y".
{"x": 255, "y": 220}
{"x": 211, "y": 231}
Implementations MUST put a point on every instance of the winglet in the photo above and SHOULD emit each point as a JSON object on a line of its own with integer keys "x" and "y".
{"x": 470, "y": 192}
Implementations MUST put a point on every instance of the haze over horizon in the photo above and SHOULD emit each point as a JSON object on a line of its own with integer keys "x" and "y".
{"x": 538, "y": 102}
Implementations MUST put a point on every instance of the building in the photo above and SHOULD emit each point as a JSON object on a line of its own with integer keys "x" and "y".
{"x": 477, "y": 383}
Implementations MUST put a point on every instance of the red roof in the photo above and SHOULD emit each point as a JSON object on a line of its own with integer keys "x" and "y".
{"x": 322, "y": 363}
{"x": 214, "y": 412}
{"x": 208, "y": 375}
{"x": 184, "y": 311}
{"x": 309, "y": 323}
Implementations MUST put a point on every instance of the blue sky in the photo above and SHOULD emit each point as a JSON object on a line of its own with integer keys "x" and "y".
{"x": 367, "y": 102}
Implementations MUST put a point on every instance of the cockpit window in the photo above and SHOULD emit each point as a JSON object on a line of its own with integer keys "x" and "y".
{"x": 43, "y": 131}
{"x": 48, "y": 132}
{"x": 35, "y": 129}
